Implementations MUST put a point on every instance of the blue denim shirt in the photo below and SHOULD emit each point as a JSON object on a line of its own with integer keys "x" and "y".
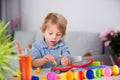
{"x": 40, "y": 49}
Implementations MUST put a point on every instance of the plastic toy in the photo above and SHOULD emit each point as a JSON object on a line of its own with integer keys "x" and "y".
{"x": 42, "y": 78}
{"x": 115, "y": 70}
{"x": 35, "y": 78}
{"x": 18, "y": 75}
{"x": 60, "y": 68}
{"x": 96, "y": 63}
{"x": 51, "y": 76}
{"x": 37, "y": 71}
{"x": 69, "y": 75}
{"x": 80, "y": 64}
{"x": 97, "y": 73}
{"x": 54, "y": 62}
{"x": 80, "y": 75}
{"x": 76, "y": 75}
{"x": 90, "y": 74}
{"x": 106, "y": 72}
{"x": 84, "y": 74}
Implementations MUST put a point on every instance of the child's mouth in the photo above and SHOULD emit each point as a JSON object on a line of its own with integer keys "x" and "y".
{"x": 53, "y": 42}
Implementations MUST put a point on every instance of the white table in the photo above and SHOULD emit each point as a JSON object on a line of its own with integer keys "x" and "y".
{"x": 45, "y": 71}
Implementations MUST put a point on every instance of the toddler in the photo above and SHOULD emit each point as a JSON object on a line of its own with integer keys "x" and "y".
{"x": 51, "y": 47}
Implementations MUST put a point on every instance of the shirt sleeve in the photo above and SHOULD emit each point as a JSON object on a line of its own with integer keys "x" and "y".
{"x": 66, "y": 52}
{"x": 36, "y": 51}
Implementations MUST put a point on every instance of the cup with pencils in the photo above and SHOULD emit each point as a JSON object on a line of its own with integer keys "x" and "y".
{"x": 25, "y": 65}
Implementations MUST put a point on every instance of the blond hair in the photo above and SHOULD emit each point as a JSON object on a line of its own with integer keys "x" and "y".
{"x": 55, "y": 18}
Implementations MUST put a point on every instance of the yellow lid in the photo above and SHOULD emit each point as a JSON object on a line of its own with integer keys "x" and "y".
{"x": 42, "y": 78}
{"x": 115, "y": 70}
{"x": 84, "y": 74}
{"x": 102, "y": 71}
{"x": 62, "y": 76}
{"x": 76, "y": 75}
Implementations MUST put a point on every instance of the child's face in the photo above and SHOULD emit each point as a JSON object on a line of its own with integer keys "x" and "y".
{"x": 52, "y": 35}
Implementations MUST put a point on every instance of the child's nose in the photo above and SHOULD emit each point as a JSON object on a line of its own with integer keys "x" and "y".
{"x": 54, "y": 36}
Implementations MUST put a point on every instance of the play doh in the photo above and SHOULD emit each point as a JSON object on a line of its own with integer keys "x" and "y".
{"x": 115, "y": 70}
{"x": 96, "y": 63}
{"x": 62, "y": 76}
{"x": 80, "y": 75}
{"x": 69, "y": 75}
{"x": 84, "y": 74}
{"x": 76, "y": 75}
{"x": 107, "y": 72}
{"x": 102, "y": 71}
{"x": 97, "y": 73}
{"x": 90, "y": 74}
{"x": 35, "y": 78}
{"x": 54, "y": 62}
{"x": 37, "y": 71}
{"x": 51, "y": 76}
{"x": 42, "y": 78}
{"x": 58, "y": 77}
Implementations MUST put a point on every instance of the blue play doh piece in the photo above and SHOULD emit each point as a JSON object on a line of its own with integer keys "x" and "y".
{"x": 35, "y": 78}
{"x": 90, "y": 74}
{"x": 80, "y": 69}
{"x": 94, "y": 67}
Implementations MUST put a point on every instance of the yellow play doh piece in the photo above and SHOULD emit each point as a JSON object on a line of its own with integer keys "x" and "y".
{"x": 62, "y": 76}
{"x": 84, "y": 73}
{"x": 76, "y": 75}
{"x": 115, "y": 70}
{"x": 18, "y": 74}
{"x": 54, "y": 62}
{"x": 42, "y": 78}
{"x": 37, "y": 71}
{"x": 69, "y": 75}
{"x": 102, "y": 72}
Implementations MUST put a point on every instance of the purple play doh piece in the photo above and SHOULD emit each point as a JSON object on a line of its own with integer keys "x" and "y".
{"x": 51, "y": 76}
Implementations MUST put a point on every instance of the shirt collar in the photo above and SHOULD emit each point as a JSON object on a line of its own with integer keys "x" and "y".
{"x": 44, "y": 43}
{"x": 60, "y": 43}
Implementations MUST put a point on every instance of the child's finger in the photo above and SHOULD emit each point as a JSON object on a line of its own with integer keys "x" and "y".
{"x": 61, "y": 56}
{"x": 46, "y": 59}
{"x": 50, "y": 57}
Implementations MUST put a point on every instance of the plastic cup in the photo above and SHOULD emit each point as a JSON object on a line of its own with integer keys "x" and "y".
{"x": 25, "y": 66}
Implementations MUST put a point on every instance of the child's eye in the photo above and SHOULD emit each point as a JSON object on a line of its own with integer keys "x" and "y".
{"x": 58, "y": 34}
{"x": 50, "y": 33}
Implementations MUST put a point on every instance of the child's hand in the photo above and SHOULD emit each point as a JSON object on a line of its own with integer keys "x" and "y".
{"x": 49, "y": 58}
{"x": 64, "y": 60}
